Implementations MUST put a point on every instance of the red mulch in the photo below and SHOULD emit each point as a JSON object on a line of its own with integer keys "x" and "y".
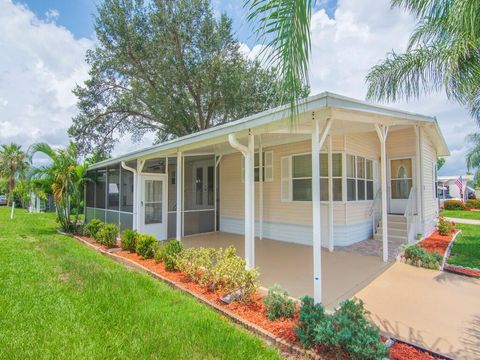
{"x": 402, "y": 351}
{"x": 254, "y": 311}
{"x": 465, "y": 271}
{"x": 437, "y": 243}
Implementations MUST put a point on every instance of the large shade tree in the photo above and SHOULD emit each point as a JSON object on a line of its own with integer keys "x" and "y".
{"x": 13, "y": 166}
{"x": 443, "y": 54}
{"x": 165, "y": 66}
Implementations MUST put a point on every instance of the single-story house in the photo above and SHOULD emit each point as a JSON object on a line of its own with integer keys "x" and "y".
{"x": 329, "y": 179}
{"x": 448, "y": 187}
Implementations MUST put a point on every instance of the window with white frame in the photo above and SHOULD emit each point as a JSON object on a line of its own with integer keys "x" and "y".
{"x": 359, "y": 178}
{"x": 296, "y": 182}
{"x": 267, "y": 166}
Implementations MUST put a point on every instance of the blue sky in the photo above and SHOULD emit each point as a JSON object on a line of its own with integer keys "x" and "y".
{"x": 43, "y": 57}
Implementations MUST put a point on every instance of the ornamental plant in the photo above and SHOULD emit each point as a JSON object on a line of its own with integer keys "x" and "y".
{"x": 417, "y": 256}
{"x": 107, "y": 235}
{"x": 473, "y": 203}
{"x": 169, "y": 254}
{"x": 198, "y": 264}
{"x": 309, "y": 317}
{"x": 444, "y": 226}
{"x": 348, "y": 330}
{"x": 92, "y": 227}
{"x": 278, "y": 303}
{"x": 129, "y": 240}
{"x": 146, "y": 246}
{"x": 453, "y": 205}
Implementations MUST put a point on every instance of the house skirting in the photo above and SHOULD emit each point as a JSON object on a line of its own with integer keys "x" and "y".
{"x": 343, "y": 234}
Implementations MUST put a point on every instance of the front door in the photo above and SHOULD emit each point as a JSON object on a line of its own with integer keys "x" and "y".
{"x": 401, "y": 181}
{"x": 153, "y": 206}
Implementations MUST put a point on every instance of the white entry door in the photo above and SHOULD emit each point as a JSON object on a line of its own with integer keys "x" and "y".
{"x": 401, "y": 182}
{"x": 153, "y": 205}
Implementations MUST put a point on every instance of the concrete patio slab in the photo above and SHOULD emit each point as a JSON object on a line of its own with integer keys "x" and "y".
{"x": 437, "y": 310}
{"x": 291, "y": 265}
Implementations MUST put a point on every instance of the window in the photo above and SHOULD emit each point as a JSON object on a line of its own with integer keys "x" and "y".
{"x": 267, "y": 167}
{"x": 100, "y": 188}
{"x": 90, "y": 189}
{"x": 113, "y": 188}
{"x": 359, "y": 178}
{"x": 401, "y": 178}
{"x": 154, "y": 166}
{"x": 296, "y": 173}
{"x": 126, "y": 191}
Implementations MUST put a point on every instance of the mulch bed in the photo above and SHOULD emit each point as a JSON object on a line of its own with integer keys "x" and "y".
{"x": 254, "y": 311}
{"x": 437, "y": 243}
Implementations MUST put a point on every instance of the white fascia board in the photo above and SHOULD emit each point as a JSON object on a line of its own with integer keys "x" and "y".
{"x": 316, "y": 102}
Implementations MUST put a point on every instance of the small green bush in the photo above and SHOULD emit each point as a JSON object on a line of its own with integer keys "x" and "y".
{"x": 473, "y": 203}
{"x": 348, "y": 330}
{"x": 169, "y": 254}
{"x": 146, "y": 246}
{"x": 417, "y": 256}
{"x": 444, "y": 226}
{"x": 129, "y": 240}
{"x": 309, "y": 316}
{"x": 198, "y": 264}
{"x": 278, "y": 303}
{"x": 453, "y": 205}
{"x": 107, "y": 235}
{"x": 92, "y": 227}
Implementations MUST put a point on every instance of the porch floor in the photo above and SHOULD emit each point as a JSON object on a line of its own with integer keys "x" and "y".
{"x": 373, "y": 247}
{"x": 344, "y": 272}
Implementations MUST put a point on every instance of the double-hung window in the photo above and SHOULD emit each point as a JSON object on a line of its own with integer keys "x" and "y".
{"x": 296, "y": 179}
{"x": 267, "y": 166}
{"x": 359, "y": 178}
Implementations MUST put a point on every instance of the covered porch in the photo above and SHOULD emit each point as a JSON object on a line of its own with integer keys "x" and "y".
{"x": 344, "y": 272}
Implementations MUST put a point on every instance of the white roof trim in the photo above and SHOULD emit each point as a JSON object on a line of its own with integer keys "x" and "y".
{"x": 316, "y": 102}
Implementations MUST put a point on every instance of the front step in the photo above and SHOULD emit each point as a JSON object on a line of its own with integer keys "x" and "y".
{"x": 397, "y": 229}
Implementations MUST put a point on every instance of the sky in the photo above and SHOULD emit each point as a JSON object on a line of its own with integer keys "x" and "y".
{"x": 43, "y": 45}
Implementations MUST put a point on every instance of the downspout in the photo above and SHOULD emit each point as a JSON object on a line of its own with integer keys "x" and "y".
{"x": 135, "y": 205}
{"x": 232, "y": 140}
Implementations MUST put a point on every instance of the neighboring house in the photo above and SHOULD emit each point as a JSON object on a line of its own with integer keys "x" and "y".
{"x": 359, "y": 163}
{"x": 38, "y": 204}
{"x": 448, "y": 187}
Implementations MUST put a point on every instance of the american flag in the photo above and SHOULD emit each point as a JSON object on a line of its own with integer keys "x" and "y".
{"x": 459, "y": 183}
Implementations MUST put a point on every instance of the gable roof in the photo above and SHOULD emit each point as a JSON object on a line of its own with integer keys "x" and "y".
{"x": 315, "y": 102}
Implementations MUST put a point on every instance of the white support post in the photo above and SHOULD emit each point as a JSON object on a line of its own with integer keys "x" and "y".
{"x": 249, "y": 204}
{"x": 139, "y": 197}
{"x": 178, "y": 183}
{"x": 382, "y": 132}
{"x": 330, "y": 195}
{"x": 317, "y": 141}
{"x": 418, "y": 182}
{"x": 260, "y": 189}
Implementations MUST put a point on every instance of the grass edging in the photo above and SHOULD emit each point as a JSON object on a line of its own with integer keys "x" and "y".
{"x": 449, "y": 249}
{"x": 266, "y": 335}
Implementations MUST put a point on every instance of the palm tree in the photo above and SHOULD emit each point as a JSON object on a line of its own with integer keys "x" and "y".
{"x": 62, "y": 174}
{"x": 283, "y": 26}
{"x": 473, "y": 155}
{"x": 13, "y": 165}
{"x": 443, "y": 53}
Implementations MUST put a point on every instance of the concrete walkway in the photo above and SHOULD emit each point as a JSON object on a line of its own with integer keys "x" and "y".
{"x": 437, "y": 310}
{"x": 464, "y": 221}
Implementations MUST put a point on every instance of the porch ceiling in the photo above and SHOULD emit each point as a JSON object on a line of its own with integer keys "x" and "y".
{"x": 291, "y": 266}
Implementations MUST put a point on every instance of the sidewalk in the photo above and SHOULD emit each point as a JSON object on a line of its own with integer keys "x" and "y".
{"x": 464, "y": 221}
{"x": 436, "y": 310}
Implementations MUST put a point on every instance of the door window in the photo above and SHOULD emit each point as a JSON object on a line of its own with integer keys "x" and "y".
{"x": 401, "y": 178}
{"x": 153, "y": 201}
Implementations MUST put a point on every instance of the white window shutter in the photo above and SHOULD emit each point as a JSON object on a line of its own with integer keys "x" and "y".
{"x": 286, "y": 178}
{"x": 268, "y": 166}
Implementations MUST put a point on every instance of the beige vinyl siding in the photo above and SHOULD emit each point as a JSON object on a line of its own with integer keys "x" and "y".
{"x": 429, "y": 160}
{"x": 401, "y": 143}
{"x": 363, "y": 144}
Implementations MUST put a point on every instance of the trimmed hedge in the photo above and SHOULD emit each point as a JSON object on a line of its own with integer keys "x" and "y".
{"x": 169, "y": 253}
{"x": 91, "y": 229}
{"x": 146, "y": 245}
{"x": 129, "y": 240}
{"x": 107, "y": 235}
{"x": 473, "y": 204}
{"x": 278, "y": 303}
{"x": 453, "y": 205}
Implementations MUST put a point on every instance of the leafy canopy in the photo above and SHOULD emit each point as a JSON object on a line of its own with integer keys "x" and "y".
{"x": 443, "y": 53}
{"x": 165, "y": 66}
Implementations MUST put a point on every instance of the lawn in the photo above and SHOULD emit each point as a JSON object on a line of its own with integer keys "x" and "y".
{"x": 466, "y": 248}
{"x": 461, "y": 214}
{"x": 60, "y": 299}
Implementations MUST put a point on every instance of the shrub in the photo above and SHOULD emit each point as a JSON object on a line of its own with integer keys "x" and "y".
{"x": 198, "y": 264}
{"x": 417, "y": 256}
{"x": 107, "y": 235}
{"x": 129, "y": 240}
{"x": 444, "y": 226}
{"x": 169, "y": 254}
{"x": 453, "y": 205}
{"x": 309, "y": 316}
{"x": 92, "y": 227}
{"x": 278, "y": 303}
{"x": 473, "y": 203}
{"x": 146, "y": 245}
{"x": 349, "y": 330}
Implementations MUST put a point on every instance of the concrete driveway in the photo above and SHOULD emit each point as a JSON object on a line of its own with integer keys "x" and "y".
{"x": 437, "y": 310}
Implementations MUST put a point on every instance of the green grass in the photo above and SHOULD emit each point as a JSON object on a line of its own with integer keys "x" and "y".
{"x": 461, "y": 214}
{"x": 466, "y": 248}
{"x": 59, "y": 299}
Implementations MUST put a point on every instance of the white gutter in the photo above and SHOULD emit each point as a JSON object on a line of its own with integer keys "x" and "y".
{"x": 232, "y": 140}
{"x": 135, "y": 183}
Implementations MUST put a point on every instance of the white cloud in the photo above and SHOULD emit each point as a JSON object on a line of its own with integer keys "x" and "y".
{"x": 52, "y": 15}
